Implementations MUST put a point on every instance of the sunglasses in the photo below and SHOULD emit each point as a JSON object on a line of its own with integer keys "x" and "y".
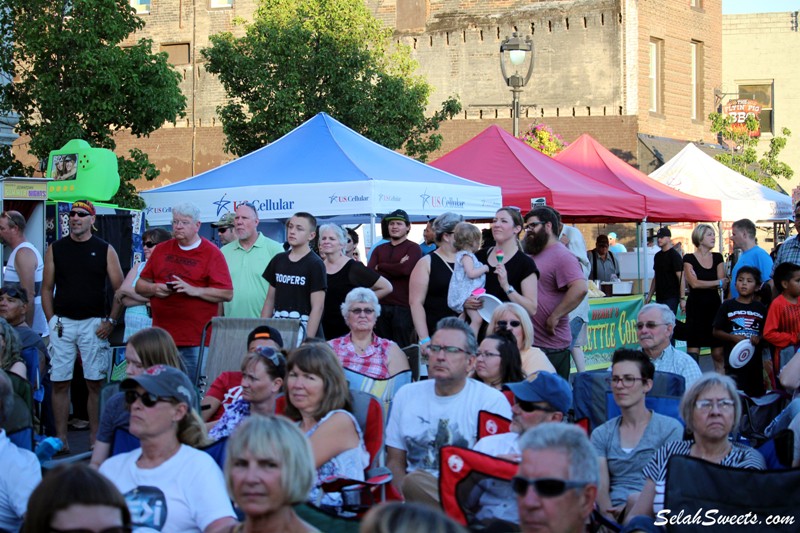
{"x": 504, "y": 324}
{"x": 14, "y": 293}
{"x": 222, "y": 230}
{"x": 649, "y": 325}
{"x": 114, "y": 529}
{"x": 270, "y": 354}
{"x": 545, "y": 487}
{"x": 530, "y": 407}
{"x": 149, "y": 244}
{"x": 80, "y": 214}
{"x": 148, "y": 398}
{"x": 362, "y": 311}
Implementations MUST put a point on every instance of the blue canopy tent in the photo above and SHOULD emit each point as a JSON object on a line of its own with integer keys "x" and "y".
{"x": 325, "y": 168}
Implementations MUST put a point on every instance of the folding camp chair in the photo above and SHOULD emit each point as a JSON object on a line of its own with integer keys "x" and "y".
{"x": 465, "y": 476}
{"x": 19, "y": 425}
{"x": 714, "y": 491}
{"x": 492, "y": 424}
{"x": 590, "y": 394}
{"x": 228, "y": 343}
{"x": 413, "y": 354}
{"x": 383, "y": 389}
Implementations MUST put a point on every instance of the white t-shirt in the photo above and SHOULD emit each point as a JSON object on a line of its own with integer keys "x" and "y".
{"x": 496, "y": 500}
{"x": 184, "y": 494}
{"x": 502, "y": 444}
{"x": 422, "y": 422}
{"x": 21, "y": 472}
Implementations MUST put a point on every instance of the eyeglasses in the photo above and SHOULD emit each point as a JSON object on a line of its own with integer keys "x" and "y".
{"x": 504, "y": 324}
{"x": 530, "y": 407}
{"x": 80, "y": 214}
{"x": 486, "y": 354}
{"x": 436, "y": 348}
{"x": 114, "y": 529}
{"x": 627, "y": 381}
{"x": 362, "y": 311}
{"x": 222, "y": 230}
{"x": 149, "y": 244}
{"x": 148, "y": 398}
{"x": 649, "y": 325}
{"x": 181, "y": 223}
{"x": 270, "y": 354}
{"x": 531, "y": 225}
{"x": 707, "y": 405}
{"x": 545, "y": 487}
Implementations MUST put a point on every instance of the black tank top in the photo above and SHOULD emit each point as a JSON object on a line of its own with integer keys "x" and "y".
{"x": 438, "y": 284}
{"x": 80, "y": 276}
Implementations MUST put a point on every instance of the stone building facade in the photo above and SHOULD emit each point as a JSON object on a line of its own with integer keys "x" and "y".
{"x": 616, "y": 69}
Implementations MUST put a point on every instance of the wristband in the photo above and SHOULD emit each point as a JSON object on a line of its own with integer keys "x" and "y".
{"x": 425, "y": 340}
{"x": 511, "y": 290}
{"x": 111, "y": 320}
{"x": 720, "y": 284}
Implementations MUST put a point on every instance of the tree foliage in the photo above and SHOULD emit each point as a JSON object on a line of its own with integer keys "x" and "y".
{"x": 742, "y": 155}
{"x": 73, "y": 80}
{"x": 301, "y": 57}
{"x": 541, "y": 137}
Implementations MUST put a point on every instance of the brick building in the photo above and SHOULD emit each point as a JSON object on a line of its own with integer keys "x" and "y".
{"x": 754, "y": 67}
{"x": 621, "y": 70}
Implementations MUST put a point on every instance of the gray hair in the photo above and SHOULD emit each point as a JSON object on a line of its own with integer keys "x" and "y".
{"x": 571, "y": 440}
{"x": 705, "y": 382}
{"x": 187, "y": 209}
{"x": 277, "y": 438}
{"x": 360, "y": 295}
{"x": 6, "y": 398}
{"x": 451, "y": 322}
{"x": 445, "y": 223}
{"x": 666, "y": 313}
{"x": 337, "y": 230}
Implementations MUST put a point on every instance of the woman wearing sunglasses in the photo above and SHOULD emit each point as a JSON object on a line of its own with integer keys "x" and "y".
{"x": 497, "y": 360}
{"x": 318, "y": 399}
{"x": 137, "y": 307}
{"x": 74, "y": 498}
{"x": 711, "y": 409}
{"x": 168, "y": 484}
{"x": 263, "y": 371}
{"x": 625, "y": 444}
{"x": 146, "y": 348}
{"x": 513, "y": 317}
{"x": 361, "y": 350}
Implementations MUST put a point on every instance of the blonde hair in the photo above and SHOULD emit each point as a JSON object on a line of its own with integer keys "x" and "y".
{"x": 155, "y": 346}
{"x": 277, "y": 438}
{"x": 522, "y": 315}
{"x": 397, "y": 517}
{"x": 192, "y": 430}
{"x": 699, "y": 232}
{"x": 467, "y": 237}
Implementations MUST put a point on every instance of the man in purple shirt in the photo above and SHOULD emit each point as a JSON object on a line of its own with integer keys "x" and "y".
{"x": 561, "y": 288}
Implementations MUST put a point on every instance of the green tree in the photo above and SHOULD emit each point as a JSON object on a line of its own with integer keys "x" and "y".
{"x": 301, "y": 57}
{"x": 73, "y": 80}
{"x": 742, "y": 155}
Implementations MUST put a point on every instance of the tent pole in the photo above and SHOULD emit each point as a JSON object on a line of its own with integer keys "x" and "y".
{"x": 641, "y": 236}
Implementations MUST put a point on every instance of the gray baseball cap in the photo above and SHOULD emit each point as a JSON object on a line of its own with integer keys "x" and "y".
{"x": 165, "y": 382}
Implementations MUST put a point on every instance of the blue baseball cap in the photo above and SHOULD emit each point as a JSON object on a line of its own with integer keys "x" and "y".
{"x": 544, "y": 387}
{"x": 612, "y": 235}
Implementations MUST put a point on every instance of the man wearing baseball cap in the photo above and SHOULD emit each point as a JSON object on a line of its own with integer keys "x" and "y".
{"x": 542, "y": 397}
{"x": 395, "y": 260}
{"x": 74, "y": 285}
{"x": 227, "y": 388}
{"x": 225, "y": 226}
{"x": 667, "y": 282}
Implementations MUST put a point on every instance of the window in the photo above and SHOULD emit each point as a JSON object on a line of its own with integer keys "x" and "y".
{"x": 761, "y": 93}
{"x": 142, "y": 7}
{"x": 215, "y": 4}
{"x": 656, "y": 75}
{"x": 697, "y": 80}
{"x": 178, "y": 54}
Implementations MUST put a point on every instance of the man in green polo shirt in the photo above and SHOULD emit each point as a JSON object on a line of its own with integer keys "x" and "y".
{"x": 247, "y": 257}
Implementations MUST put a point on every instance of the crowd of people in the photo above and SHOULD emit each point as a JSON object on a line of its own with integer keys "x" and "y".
{"x": 293, "y": 434}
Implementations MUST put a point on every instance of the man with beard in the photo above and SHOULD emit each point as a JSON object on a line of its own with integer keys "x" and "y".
{"x": 394, "y": 261}
{"x": 562, "y": 286}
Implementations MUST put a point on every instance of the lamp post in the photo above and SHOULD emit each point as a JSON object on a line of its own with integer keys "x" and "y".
{"x": 518, "y": 50}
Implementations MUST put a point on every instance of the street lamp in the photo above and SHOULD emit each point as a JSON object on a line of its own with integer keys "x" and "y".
{"x": 518, "y": 50}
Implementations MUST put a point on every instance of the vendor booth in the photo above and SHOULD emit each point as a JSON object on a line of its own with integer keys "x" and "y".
{"x": 325, "y": 168}
{"x": 28, "y": 196}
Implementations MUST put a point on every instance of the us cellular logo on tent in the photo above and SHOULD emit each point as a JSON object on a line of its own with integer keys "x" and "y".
{"x": 338, "y": 199}
{"x": 440, "y": 201}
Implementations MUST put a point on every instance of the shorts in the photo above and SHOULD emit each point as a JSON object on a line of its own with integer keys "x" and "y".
{"x": 78, "y": 336}
{"x": 577, "y": 327}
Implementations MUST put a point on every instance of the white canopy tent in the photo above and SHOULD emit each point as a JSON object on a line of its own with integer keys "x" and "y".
{"x": 325, "y": 168}
{"x": 696, "y": 173}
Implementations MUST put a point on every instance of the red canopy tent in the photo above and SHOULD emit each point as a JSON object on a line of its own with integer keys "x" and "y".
{"x": 495, "y": 157}
{"x": 662, "y": 203}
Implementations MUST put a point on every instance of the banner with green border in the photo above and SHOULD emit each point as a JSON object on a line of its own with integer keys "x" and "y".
{"x": 612, "y": 325}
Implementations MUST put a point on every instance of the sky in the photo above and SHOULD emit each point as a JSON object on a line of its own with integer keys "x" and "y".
{"x": 732, "y": 7}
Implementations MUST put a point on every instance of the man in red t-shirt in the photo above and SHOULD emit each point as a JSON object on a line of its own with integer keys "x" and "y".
{"x": 185, "y": 278}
